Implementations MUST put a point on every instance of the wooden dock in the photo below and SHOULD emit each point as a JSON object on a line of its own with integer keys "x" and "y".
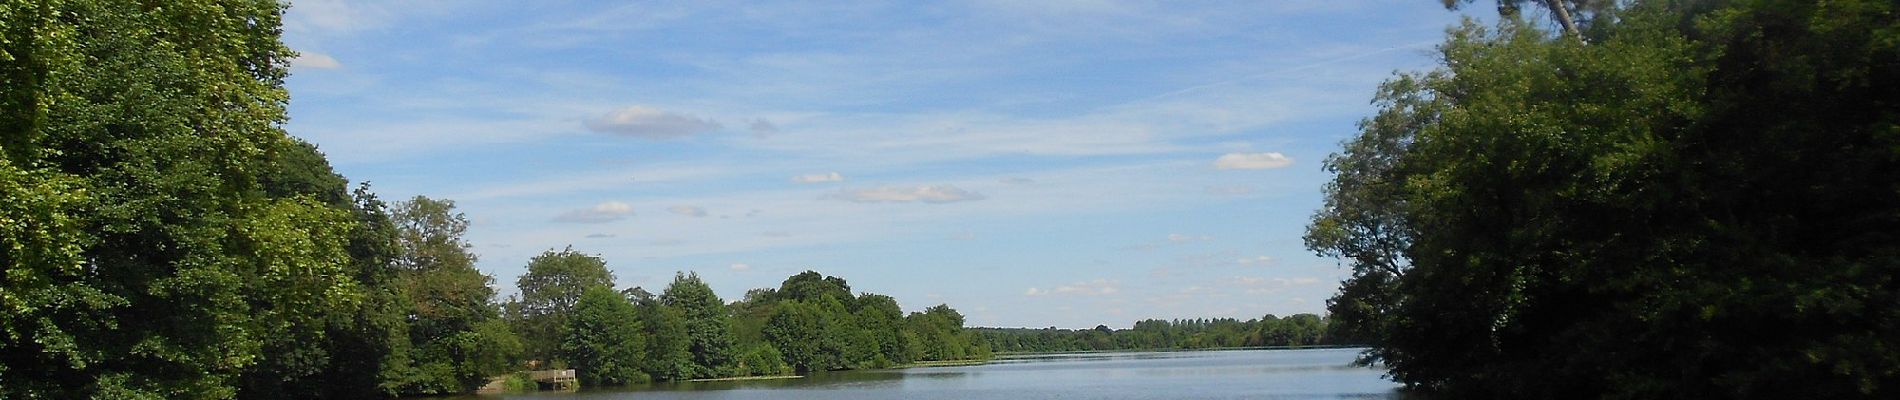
{"x": 555, "y": 379}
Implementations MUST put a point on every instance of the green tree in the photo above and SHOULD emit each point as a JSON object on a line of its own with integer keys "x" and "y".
{"x": 708, "y": 323}
{"x": 761, "y": 359}
{"x": 1708, "y": 182}
{"x": 940, "y": 335}
{"x": 882, "y": 323}
{"x": 669, "y": 343}
{"x": 796, "y": 329}
{"x": 549, "y": 290}
{"x": 149, "y": 255}
{"x": 811, "y": 285}
{"x": 53, "y": 311}
{"x": 603, "y": 340}
{"x": 457, "y": 338}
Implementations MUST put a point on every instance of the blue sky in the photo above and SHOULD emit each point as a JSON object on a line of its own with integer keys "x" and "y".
{"x": 1031, "y": 163}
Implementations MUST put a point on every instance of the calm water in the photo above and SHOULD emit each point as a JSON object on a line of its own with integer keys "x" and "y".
{"x": 1242, "y": 374}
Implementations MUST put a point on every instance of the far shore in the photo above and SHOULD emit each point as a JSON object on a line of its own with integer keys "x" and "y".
{"x": 747, "y": 378}
{"x": 1010, "y": 354}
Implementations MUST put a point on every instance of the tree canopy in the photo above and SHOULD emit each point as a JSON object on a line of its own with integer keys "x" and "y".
{"x": 603, "y": 341}
{"x": 550, "y": 289}
{"x": 1699, "y": 200}
{"x": 707, "y": 323}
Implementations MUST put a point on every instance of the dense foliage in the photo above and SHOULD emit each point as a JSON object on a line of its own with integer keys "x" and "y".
{"x": 163, "y": 237}
{"x": 1155, "y": 334}
{"x": 817, "y": 324}
{"x": 708, "y": 331}
{"x": 549, "y": 291}
{"x": 1688, "y": 199}
{"x": 603, "y": 341}
{"x": 687, "y": 332}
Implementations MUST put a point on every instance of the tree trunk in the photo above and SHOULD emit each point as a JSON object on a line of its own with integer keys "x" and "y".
{"x": 1562, "y": 14}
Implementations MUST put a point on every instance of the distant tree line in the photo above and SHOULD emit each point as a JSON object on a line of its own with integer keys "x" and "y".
{"x": 1155, "y": 334}
{"x": 162, "y": 237}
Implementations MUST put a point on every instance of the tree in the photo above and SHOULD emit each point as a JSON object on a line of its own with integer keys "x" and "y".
{"x": 457, "y": 338}
{"x": 810, "y": 286}
{"x": 796, "y": 330}
{"x": 708, "y": 323}
{"x": 150, "y": 254}
{"x": 669, "y": 343}
{"x": 429, "y": 234}
{"x": 761, "y": 359}
{"x": 882, "y": 322}
{"x": 549, "y": 290}
{"x": 940, "y": 335}
{"x": 1709, "y": 183}
{"x": 603, "y": 341}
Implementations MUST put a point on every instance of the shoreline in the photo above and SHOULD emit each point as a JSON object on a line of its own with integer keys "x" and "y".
{"x": 747, "y": 378}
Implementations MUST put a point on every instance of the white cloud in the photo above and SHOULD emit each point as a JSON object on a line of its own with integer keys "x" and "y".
{"x": 1180, "y": 238}
{"x": 1098, "y": 287}
{"x": 1260, "y": 260}
{"x": 1252, "y": 161}
{"x": 818, "y": 178}
{"x": 1017, "y": 181}
{"x": 601, "y": 213}
{"x": 1172, "y": 240}
{"x": 601, "y": 235}
{"x": 1259, "y": 285}
{"x": 314, "y": 60}
{"x": 934, "y": 194}
{"x": 1230, "y": 190}
{"x": 650, "y": 123}
{"x": 741, "y": 267}
{"x": 690, "y": 211}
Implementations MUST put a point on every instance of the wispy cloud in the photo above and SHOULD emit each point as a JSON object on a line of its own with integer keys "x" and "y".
{"x": 690, "y": 211}
{"x": 1183, "y": 238}
{"x": 1171, "y": 240}
{"x": 1259, "y": 285}
{"x": 650, "y": 123}
{"x": 600, "y": 213}
{"x": 1252, "y": 161}
{"x": 1229, "y": 190}
{"x": 600, "y": 235}
{"x": 1258, "y": 260}
{"x": 314, "y": 60}
{"x": 762, "y": 127}
{"x": 1098, "y": 287}
{"x": 818, "y": 178}
{"x": 741, "y": 267}
{"x": 933, "y": 194}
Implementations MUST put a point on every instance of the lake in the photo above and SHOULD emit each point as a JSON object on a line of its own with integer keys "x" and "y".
{"x": 1237, "y": 374}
